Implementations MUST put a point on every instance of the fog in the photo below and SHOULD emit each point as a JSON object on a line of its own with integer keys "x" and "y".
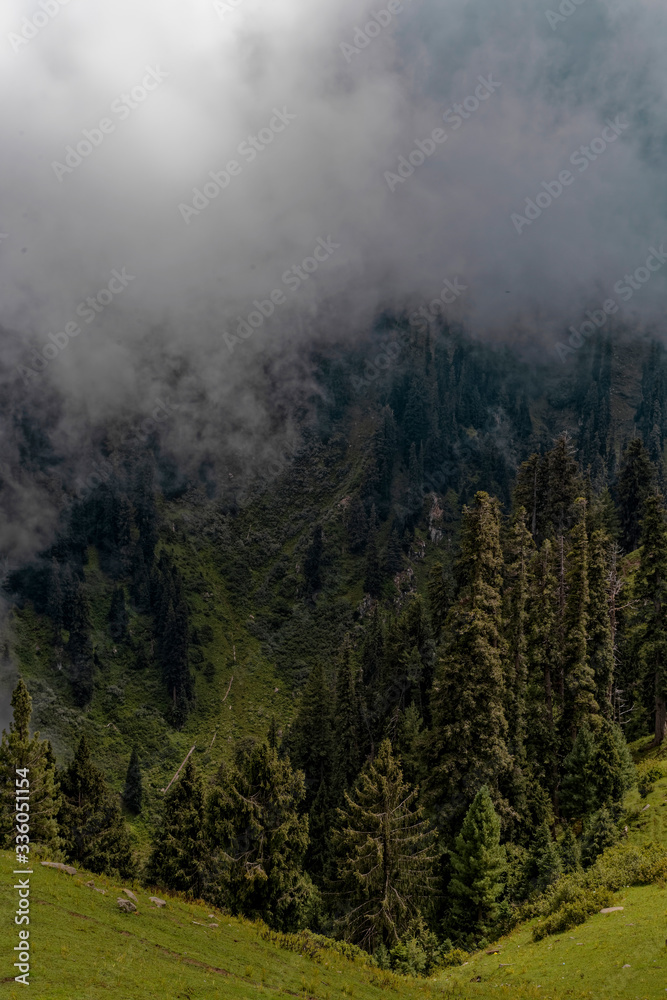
{"x": 117, "y": 118}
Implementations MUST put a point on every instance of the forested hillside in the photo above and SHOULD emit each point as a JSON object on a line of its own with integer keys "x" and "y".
{"x": 404, "y": 663}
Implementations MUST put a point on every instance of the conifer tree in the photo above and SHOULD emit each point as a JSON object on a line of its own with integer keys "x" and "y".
{"x": 346, "y": 728}
{"x": 90, "y": 819}
{"x": 468, "y": 744}
{"x": 415, "y": 491}
{"x": 34, "y": 757}
{"x": 258, "y": 840}
{"x": 650, "y": 628}
{"x": 579, "y": 782}
{"x": 580, "y": 701}
{"x": 544, "y": 863}
{"x": 179, "y": 857}
{"x": 385, "y": 855}
{"x": 601, "y": 832}
{"x": 80, "y": 651}
{"x": 569, "y": 851}
{"x": 373, "y": 574}
{"x": 440, "y": 596}
{"x": 478, "y": 863}
{"x": 311, "y": 742}
{"x": 636, "y": 482}
{"x": 599, "y": 639}
{"x": 394, "y": 557}
{"x": 133, "y": 792}
{"x": 357, "y": 526}
{"x": 312, "y": 562}
{"x": 516, "y": 625}
{"x": 543, "y": 654}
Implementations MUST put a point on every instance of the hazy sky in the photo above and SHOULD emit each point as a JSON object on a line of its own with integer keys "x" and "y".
{"x": 169, "y": 93}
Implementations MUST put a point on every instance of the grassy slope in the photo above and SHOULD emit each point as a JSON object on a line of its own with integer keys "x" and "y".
{"x": 589, "y": 960}
{"x": 84, "y": 947}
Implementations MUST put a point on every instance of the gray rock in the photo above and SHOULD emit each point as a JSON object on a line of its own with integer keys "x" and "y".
{"x": 156, "y": 901}
{"x": 126, "y": 905}
{"x": 130, "y": 894}
{"x": 60, "y": 866}
{"x": 611, "y": 909}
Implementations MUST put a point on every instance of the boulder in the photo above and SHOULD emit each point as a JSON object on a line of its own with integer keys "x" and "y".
{"x": 130, "y": 895}
{"x": 126, "y": 905}
{"x": 611, "y": 909}
{"x": 59, "y": 865}
{"x": 156, "y": 901}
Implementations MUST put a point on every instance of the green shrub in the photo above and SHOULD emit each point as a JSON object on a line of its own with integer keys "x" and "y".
{"x": 456, "y": 956}
{"x": 646, "y": 778}
{"x": 579, "y": 894}
{"x": 573, "y": 913}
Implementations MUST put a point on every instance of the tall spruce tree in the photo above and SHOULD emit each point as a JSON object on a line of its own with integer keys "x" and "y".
{"x": 478, "y": 862}
{"x": 650, "y": 625}
{"x": 544, "y": 654}
{"x": 636, "y": 482}
{"x": 580, "y": 701}
{"x": 600, "y": 644}
{"x": 469, "y": 733}
{"x": 90, "y": 819}
{"x": 258, "y": 839}
{"x": 179, "y": 857}
{"x": 385, "y": 855}
{"x": 520, "y": 549}
{"x": 346, "y": 727}
{"x": 79, "y": 648}
{"x": 34, "y": 757}
{"x": 373, "y": 571}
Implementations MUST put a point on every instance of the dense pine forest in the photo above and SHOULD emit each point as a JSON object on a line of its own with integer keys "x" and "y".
{"x": 455, "y": 586}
